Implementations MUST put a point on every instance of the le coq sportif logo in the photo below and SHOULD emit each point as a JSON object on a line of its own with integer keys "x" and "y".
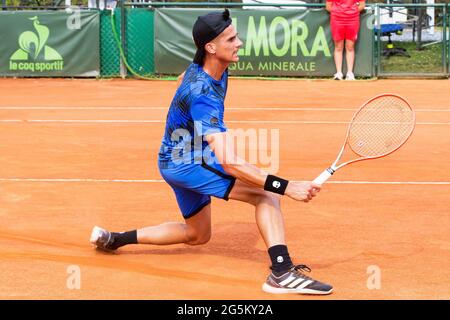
{"x": 34, "y": 54}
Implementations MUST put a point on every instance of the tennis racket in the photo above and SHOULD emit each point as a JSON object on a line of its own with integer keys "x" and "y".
{"x": 381, "y": 126}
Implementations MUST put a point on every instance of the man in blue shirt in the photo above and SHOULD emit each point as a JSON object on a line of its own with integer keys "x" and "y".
{"x": 197, "y": 161}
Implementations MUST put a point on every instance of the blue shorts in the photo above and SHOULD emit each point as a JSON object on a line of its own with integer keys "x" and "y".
{"x": 194, "y": 184}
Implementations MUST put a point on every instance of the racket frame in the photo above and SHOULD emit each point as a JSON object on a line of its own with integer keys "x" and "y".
{"x": 326, "y": 174}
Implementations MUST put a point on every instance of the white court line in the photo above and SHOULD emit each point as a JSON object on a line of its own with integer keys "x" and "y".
{"x": 161, "y": 181}
{"x": 226, "y": 108}
{"x": 163, "y": 121}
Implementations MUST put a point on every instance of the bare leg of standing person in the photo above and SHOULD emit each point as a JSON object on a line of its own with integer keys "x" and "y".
{"x": 338, "y": 57}
{"x": 350, "y": 58}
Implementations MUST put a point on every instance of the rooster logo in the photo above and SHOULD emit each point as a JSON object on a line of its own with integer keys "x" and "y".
{"x": 32, "y": 43}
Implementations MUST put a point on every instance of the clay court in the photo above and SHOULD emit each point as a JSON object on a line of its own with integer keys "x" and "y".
{"x": 79, "y": 153}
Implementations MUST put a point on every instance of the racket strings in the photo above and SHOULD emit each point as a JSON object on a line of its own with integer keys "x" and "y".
{"x": 381, "y": 126}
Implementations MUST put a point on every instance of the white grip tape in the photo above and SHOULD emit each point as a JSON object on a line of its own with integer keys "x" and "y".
{"x": 324, "y": 176}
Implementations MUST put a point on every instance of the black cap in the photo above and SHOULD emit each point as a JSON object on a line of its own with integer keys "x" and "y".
{"x": 206, "y": 28}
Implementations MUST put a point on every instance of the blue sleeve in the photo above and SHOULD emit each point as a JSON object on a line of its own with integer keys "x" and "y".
{"x": 207, "y": 115}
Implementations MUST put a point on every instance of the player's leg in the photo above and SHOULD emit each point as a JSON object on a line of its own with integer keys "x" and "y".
{"x": 285, "y": 277}
{"x": 267, "y": 211}
{"x": 196, "y": 210}
{"x": 196, "y": 230}
{"x": 267, "y": 205}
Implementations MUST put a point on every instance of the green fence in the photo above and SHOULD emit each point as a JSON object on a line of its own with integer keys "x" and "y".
{"x": 430, "y": 58}
{"x": 135, "y": 22}
{"x": 138, "y": 44}
{"x": 139, "y": 40}
{"x": 109, "y": 53}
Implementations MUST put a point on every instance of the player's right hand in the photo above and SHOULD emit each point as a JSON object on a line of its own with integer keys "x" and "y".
{"x": 302, "y": 190}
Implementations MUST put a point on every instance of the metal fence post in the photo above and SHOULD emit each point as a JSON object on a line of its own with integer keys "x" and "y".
{"x": 123, "y": 68}
{"x": 378, "y": 39}
{"x": 374, "y": 41}
{"x": 444, "y": 40}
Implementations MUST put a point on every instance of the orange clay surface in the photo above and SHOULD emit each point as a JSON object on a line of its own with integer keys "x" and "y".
{"x": 60, "y": 178}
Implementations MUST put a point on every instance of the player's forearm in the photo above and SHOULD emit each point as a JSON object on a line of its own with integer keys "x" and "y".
{"x": 221, "y": 144}
{"x": 328, "y": 6}
{"x": 257, "y": 177}
{"x": 246, "y": 172}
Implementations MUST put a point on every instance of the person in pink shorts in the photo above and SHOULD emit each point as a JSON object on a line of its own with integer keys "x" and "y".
{"x": 344, "y": 24}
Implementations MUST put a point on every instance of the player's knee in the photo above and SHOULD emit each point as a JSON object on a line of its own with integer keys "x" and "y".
{"x": 274, "y": 199}
{"x": 270, "y": 198}
{"x": 195, "y": 238}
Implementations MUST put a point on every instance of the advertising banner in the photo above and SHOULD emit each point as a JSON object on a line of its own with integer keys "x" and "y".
{"x": 276, "y": 42}
{"x": 38, "y": 44}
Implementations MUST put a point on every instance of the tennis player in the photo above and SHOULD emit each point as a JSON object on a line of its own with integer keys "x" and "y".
{"x": 196, "y": 174}
{"x": 344, "y": 23}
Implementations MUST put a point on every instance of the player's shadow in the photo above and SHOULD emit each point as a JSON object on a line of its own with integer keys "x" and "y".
{"x": 237, "y": 240}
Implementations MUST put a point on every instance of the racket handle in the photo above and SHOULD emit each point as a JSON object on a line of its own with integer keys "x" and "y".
{"x": 324, "y": 176}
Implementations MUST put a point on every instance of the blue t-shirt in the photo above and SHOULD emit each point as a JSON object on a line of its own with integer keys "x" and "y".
{"x": 196, "y": 110}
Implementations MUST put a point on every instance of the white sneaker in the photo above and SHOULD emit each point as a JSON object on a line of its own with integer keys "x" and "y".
{"x": 338, "y": 76}
{"x": 102, "y": 239}
{"x": 350, "y": 76}
{"x": 295, "y": 281}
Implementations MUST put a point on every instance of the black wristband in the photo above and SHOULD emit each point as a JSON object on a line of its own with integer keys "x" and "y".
{"x": 275, "y": 184}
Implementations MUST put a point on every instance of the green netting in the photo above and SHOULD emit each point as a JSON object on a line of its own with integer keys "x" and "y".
{"x": 109, "y": 61}
{"x": 139, "y": 42}
{"x": 139, "y": 45}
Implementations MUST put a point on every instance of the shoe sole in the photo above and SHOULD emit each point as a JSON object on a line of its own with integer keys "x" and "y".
{"x": 269, "y": 289}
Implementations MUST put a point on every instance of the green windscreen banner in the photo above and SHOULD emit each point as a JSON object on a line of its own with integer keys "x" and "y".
{"x": 37, "y": 44}
{"x": 276, "y": 42}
